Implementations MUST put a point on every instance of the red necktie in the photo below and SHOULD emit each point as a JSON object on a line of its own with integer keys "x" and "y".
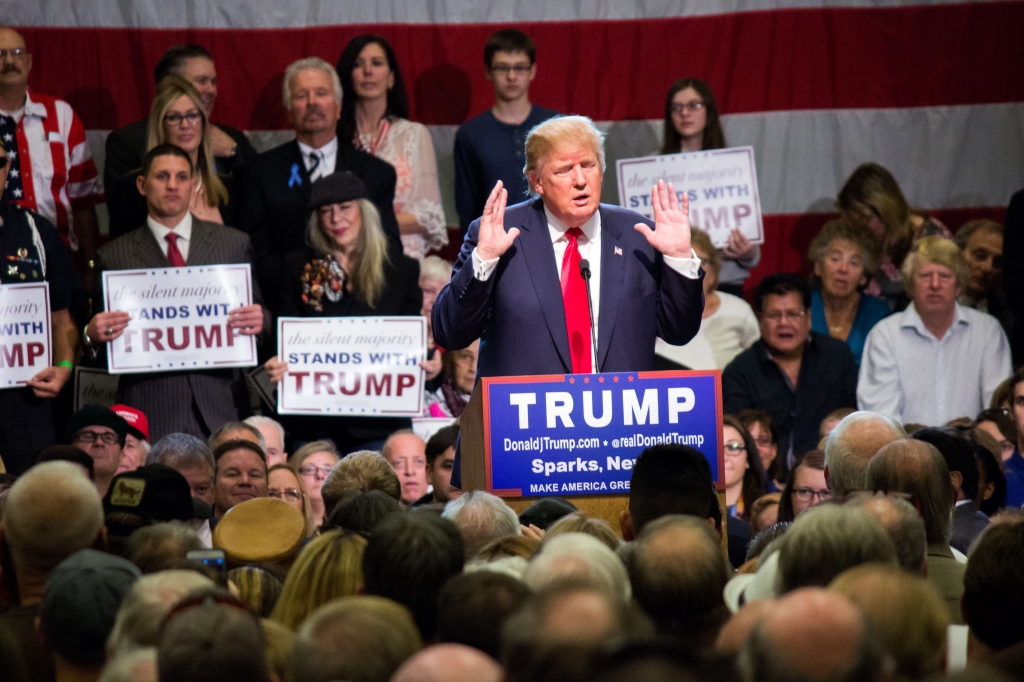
{"x": 577, "y": 312}
{"x": 173, "y": 254}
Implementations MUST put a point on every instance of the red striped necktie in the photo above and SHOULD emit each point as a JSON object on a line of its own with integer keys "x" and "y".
{"x": 173, "y": 254}
{"x": 574, "y": 298}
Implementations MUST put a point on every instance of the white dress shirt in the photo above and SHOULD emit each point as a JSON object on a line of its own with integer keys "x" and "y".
{"x": 328, "y": 156}
{"x": 182, "y": 229}
{"x": 589, "y": 243}
{"x": 913, "y": 377}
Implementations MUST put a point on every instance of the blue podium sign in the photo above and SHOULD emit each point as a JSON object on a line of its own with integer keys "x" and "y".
{"x": 580, "y": 434}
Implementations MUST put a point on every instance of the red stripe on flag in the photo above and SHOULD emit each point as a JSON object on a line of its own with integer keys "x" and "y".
{"x": 609, "y": 70}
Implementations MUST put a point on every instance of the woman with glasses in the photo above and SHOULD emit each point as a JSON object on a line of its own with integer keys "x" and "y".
{"x": 692, "y": 125}
{"x": 806, "y": 486}
{"x": 374, "y": 119}
{"x": 314, "y": 462}
{"x": 458, "y": 372}
{"x": 762, "y": 429}
{"x": 285, "y": 484}
{"x": 176, "y": 117}
{"x": 872, "y": 197}
{"x": 744, "y": 474}
{"x": 348, "y": 269}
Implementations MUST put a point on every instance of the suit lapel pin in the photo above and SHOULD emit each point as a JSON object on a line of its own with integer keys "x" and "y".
{"x": 618, "y": 251}
{"x": 295, "y": 180}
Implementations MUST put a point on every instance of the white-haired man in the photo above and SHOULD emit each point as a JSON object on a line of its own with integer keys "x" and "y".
{"x": 274, "y": 207}
{"x": 517, "y": 283}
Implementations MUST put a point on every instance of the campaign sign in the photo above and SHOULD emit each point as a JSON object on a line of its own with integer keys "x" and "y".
{"x": 24, "y": 332}
{"x": 179, "y": 318}
{"x": 366, "y": 366}
{"x": 720, "y": 183}
{"x": 580, "y": 434}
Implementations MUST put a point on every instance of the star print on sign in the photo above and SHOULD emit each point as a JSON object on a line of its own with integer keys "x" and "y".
{"x": 13, "y": 189}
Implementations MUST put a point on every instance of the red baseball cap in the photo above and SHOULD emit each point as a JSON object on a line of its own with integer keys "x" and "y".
{"x": 138, "y": 425}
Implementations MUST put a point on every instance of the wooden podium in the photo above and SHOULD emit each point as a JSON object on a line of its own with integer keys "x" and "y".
{"x": 474, "y": 475}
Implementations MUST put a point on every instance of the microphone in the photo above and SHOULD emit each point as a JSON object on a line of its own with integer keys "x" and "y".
{"x": 585, "y": 274}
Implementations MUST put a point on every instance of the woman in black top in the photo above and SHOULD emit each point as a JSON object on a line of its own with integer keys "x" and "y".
{"x": 349, "y": 269}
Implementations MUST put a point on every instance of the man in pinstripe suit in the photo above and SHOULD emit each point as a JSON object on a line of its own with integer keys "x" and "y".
{"x": 195, "y": 402}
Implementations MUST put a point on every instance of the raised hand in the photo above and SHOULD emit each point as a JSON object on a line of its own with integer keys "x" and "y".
{"x": 492, "y": 240}
{"x": 671, "y": 233}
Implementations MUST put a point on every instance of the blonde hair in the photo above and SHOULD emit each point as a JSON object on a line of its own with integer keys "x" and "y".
{"x": 167, "y": 92}
{"x": 309, "y": 449}
{"x": 700, "y": 239}
{"x": 578, "y": 522}
{"x": 435, "y": 267}
{"x": 370, "y": 255}
{"x": 545, "y": 138}
{"x": 906, "y": 610}
{"x": 935, "y": 251}
{"x": 853, "y": 232}
{"x": 328, "y": 568}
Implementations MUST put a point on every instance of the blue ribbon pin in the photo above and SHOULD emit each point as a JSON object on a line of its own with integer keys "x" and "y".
{"x": 295, "y": 179}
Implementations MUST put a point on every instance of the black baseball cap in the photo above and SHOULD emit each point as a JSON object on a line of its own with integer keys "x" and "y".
{"x": 155, "y": 492}
{"x": 96, "y": 415}
{"x": 546, "y": 511}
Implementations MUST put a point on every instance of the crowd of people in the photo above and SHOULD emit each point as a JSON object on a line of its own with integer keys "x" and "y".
{"x": 868, "y": 524}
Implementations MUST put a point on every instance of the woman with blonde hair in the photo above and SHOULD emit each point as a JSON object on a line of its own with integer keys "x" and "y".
{"x": 313, "y": 463}
{"x": 328, "y": 568}
{"x": 872, "y": 197}
{"x": 348, "y": 269}
{"x": 176, "y": 117}
{"x": 285, "y": 483}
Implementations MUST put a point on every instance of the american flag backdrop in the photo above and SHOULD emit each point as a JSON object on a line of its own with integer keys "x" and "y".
{"x": 934, "y": 91}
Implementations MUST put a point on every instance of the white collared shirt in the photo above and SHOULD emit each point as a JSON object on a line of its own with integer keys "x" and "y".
{"x": 589, "y": 244}
{"x": 913, "y": 377}
{"x": 182, "y": 229}
{"x": 328, "y": 156}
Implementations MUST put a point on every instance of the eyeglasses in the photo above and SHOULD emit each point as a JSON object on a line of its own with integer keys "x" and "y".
{"x": 14, "y": 53}
{"x": 764, "y": 442}
{"x": 808, "y": 494}
{"x": 517, "y": 69}
{"x": 286, "y": 494}
{"x": 693, "y": 107}
{"x": 176, "y": 119}
{"x": 779, "y": 315}
{"x": 735, "y": 449}
{"x": 310, "y": 470}
{"x": 108, "y": 438}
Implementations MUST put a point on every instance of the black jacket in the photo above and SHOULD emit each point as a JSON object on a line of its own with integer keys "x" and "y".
{"x": 274, "y": 205}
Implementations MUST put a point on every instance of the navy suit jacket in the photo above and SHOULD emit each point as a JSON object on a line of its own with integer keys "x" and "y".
{"x": 519, "y": 316}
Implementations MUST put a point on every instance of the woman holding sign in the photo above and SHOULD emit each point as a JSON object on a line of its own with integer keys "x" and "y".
{"x": 692, "y": 125}
{"x": 349, "y": 269}
{"x": 176, "y": 117}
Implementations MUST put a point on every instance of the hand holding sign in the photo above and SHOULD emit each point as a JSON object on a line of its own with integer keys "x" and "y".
{"x": 47, "y": 383}
{"x": 105, "y": 327}
{"x": 739, "y": 247}
{"x": 276, "y": 369}
{"x": 671, "y": 233}
{"x": 493, "y": 240}
{"x": 247, "y": 319}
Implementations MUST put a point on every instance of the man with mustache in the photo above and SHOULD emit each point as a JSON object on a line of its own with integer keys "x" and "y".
{"x": 274, "y": 207}
{"x": 51, "y": 167}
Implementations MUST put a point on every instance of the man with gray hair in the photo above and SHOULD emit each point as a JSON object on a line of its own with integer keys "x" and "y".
{"x": 481, "y": 517}
{"x": 851, "y": 445}
{"x": 190, "y": 457}
{"x": 903, "y": 524}
{"x": 138, "y": 621}
{"x": 273, "y": 438}
{"x": 52, "y": 511}
{"x": 274, "y": 206}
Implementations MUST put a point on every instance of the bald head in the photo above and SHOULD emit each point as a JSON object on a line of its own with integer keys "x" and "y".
{"x": 53, "y": 510}
{"x": 919, "y": 470}
{"x": 449, "y": 663}
{"x": 811, "y": 634}
{"x": 737, "y": 629}
{"x": 852, "y": 444}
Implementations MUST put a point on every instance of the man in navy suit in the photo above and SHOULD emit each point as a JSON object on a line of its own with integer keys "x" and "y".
{"x": 274, "y": 208}
{"x": 512, "y": 283}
